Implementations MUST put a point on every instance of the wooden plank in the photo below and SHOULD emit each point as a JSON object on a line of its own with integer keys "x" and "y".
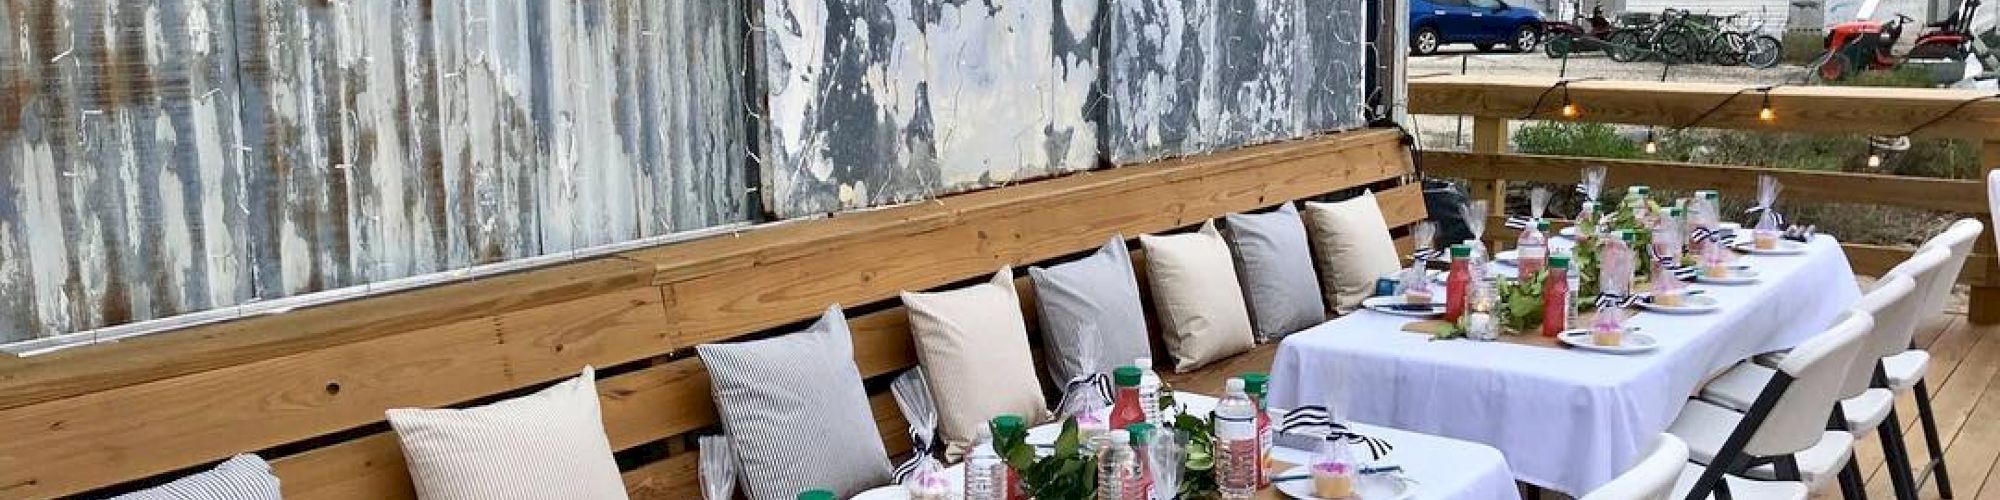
{"x": 1489, "y": 136}
{"x": 1892, "y": 190}
{"x": 68, "y": 445}
{"x": 1985, "y": 305}
{"x": 1960, "y": 402}
{"x": 1817, "y": 109}
{"x": 89, "y": 369}
{"x": 960, "y": 238}
{"x": 1402, "y": 205}
{"x": 675, "y": 478}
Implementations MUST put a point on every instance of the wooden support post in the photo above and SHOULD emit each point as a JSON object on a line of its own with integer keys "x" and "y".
{"x": 1489, "y": 135}
{"x": 1984, "y": 307}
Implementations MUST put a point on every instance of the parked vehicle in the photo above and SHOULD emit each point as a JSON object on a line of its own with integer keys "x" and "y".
{"x": 1583, "y": 34}
{"x": 1856, "y": 46}
{"x": 1483, "y": 23}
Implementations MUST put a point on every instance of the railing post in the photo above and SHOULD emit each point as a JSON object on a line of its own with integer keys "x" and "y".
{"x": 1984, "y": 307}
{"x": 1489, "y": 135}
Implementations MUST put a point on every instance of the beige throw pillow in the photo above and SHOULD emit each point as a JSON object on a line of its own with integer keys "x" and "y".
{"x": 1202, "y": 315}
{"x": 1351, "y": 249}
{"x": 549, "y": 444}
{"x": 973, "y": 346}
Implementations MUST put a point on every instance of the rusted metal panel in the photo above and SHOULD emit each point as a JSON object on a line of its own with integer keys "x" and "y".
{"x": 876, "y": 102}
{"x": 168, "y": 156}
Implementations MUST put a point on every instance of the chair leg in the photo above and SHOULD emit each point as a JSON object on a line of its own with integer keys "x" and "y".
{"x": 1898, "y": 457}
{"x": 1929, "y": 421}
{"x": 1851, "y": 486}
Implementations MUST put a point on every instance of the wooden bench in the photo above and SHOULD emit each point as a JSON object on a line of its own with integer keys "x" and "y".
{"x": 306, "y": 389}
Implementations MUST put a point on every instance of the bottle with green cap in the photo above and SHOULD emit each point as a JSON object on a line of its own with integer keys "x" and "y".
{"x": 1558, "y": 298}
{"x": 1458, "y": 282}
{"x": 1255, "y": 385}
{"x": 1125, "y": 407}
{"x": 817, "y": 494}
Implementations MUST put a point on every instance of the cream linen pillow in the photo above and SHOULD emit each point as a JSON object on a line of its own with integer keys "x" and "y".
{"x": 1351, "y": 248}
{"x": 1202, "y": 315}
{"x": 549, "y": 444}
{"x": 973, "y": 346}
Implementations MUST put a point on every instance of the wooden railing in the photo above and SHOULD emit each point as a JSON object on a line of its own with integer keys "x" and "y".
{"x": 1493, "y": 103}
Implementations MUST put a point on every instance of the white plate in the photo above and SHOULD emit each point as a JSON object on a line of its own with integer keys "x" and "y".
{"x": 890, "y": 492}
{"x": 1690, "y": 304}
{"x": 1634, "y": 342}
{"x": 1567, "y": 232}
{"x": 1383, "y": 304}
{"x": 1785, "y": 247}
{"x": 1739, "y": 277}
{"x": 1376, "y": 487}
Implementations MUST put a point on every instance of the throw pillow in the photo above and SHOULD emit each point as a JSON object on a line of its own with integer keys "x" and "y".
{"x": 549, "y": 444}
{"x": 796, "y": 412}
{"x": 1092, "y": 320}
{"x": 243, "y": 477}
{"x": 1275, "y": 264}
{"x": 973, "y": 346}
{"x": 1202, "y": 315}
{"x": 1352, "y": 247}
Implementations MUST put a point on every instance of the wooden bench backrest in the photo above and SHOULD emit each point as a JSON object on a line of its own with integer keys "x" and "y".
{"x": 307, "y": 388}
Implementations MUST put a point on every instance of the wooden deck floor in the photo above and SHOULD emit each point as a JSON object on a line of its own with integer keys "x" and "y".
{"x": 1964, "y": 375}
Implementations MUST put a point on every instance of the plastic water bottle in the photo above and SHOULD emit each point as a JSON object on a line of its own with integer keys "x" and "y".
{"x": 1119, "y": 475}
{"x": 1149, "y": 391}
{"x": 1236, "y": 446}
{"x": 985, "y": 472}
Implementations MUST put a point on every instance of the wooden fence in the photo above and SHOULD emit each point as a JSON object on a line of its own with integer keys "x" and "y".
{"x": 1493, "y": 103}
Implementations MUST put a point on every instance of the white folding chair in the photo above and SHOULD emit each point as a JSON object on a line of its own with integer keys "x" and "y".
{"x": 1650, "y": 479}
{"x": 1905, "y": 372}
{"x": 1863, "y": 406}
{"x": 1786, "y": 420}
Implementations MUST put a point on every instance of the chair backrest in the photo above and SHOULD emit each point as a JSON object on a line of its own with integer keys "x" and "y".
{"x": 1993, "y": 199}
{"x": 1652, "y": 478}
{"x": 1925, "y": 269}
{"x": 1894, "y": 297}
{"x": 1795, "y": 407}
{"x": 1956, "y": 239}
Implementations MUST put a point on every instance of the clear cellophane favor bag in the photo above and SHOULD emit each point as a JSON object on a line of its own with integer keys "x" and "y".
{"x": 1767, "y": 199}
{"x": 718, "y": 468}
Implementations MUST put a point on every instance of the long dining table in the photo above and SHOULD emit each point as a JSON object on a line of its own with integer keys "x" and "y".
{"x": 1567, "y": 419}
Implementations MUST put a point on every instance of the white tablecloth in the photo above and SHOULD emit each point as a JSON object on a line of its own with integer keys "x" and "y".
{"x": 1567, "y": 420}
{"x": 1444, "y": 469}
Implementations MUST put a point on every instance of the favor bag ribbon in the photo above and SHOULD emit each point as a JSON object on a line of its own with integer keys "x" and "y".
{"x": 1672, "y": 264}
{"x": 1519, "y": 222}
{"x": 1708, "y": 235}
{"x": 1778, "y": 219}
{"x": 1092, "y": 384}
{"x": 1425, "y": 255}
{"x": 913, "y": 397}
{"x": 1314, "y": 420}
{"x": 1613, "y": 300}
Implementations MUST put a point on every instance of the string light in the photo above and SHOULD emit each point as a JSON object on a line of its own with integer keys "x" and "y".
{"x": 1875, "y": 152}
{"x": 1874, "y": 158}
{"x": 1766, "y": 113}
{"x": 1569, "y": 109}
{"x": 1652, "y": 146}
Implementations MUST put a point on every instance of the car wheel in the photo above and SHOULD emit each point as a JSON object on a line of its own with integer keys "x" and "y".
{"x": 1525, "y": 39}
{"x": 1425, "y": 41}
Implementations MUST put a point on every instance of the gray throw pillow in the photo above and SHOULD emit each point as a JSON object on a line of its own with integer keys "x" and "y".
{"x": 1092, "y": 320}
{"x": 796, "y": 412}
{"x": 1274, "y": 263}
{"x": 243, "y": 477}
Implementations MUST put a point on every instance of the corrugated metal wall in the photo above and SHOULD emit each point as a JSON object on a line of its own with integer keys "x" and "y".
{"x": 165, "y": 156}
{"x": 159, "y": 157}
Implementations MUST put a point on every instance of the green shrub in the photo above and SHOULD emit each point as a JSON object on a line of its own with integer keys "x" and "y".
{"x": 1574, "y": 139}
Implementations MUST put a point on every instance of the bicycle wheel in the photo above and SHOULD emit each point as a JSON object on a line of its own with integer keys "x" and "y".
{"x": 1674, "y": 47}
{"x": 1728, "y": 49}
{"x": 1623, "y": 46}
{"x": 1557, "y": 46}
{"x": 1763, "y": 52}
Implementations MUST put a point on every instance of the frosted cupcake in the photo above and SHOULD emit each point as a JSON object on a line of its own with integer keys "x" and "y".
{"x": 1333, "y": 480}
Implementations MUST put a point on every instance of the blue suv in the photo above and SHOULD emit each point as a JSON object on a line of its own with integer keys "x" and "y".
{"x": 1482, "y": 23}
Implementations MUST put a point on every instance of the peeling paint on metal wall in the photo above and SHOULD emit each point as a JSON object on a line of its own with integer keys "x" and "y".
{"x": 1191, "y": 76}
{"x": 166, "y": 156}
{"x": 875, "y": 102}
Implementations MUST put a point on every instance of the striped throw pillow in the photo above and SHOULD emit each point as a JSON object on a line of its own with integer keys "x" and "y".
{"x": 796, "y": 412}
{"x": 549, "y": 444}
{"x": 243, "y": 477}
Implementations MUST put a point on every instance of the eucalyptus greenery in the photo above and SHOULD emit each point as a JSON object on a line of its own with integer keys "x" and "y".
{"x": 1070, "y": 473}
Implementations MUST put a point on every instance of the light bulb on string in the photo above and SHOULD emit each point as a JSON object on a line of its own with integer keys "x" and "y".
{"x": 1570, "y": 110}
{"x": 1652, "y": 146}
{"x": 1874, "y": 159}
{"x": 1765, "y": 113}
